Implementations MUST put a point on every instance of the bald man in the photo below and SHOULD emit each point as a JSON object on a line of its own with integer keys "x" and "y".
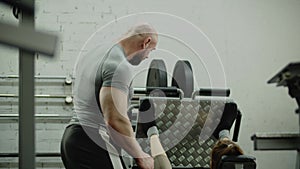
{"x": 102, "y": 90}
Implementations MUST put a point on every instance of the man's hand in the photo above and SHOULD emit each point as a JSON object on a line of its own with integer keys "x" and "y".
{"x": 146, "y": 162}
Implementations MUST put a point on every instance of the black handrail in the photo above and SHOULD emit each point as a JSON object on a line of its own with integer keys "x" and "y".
{"x": 237, "y": 126}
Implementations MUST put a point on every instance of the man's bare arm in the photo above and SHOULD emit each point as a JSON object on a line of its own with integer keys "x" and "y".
{"x": 114, "y": 108}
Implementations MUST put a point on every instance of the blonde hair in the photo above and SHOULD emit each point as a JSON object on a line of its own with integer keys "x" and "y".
{"x": 224, "y": 147}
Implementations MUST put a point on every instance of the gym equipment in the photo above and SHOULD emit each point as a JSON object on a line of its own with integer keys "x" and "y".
{"x": 54, "y": 154}
{"x": 228, "y": 117}
{"x": 24, "y": 6}
{"x": 27, "y": 39}
{"x": 157, "y": 82}
{"x": 289, "y": 77}
{"x": 237, "y": 162}
{"x": 16, "y": 11}
{"x": 273, "y": 141}
{"x": 157, "y": 74}
{"x": 229, "y": 110}
{"x": 68, "y": 99}
{"x": 237, "y": 126}
{"x": 23, "y": 36}
{"x": 180, "y": 123}
{"x": 212, "y": 92}
{"x": 39, "y": 118}
{"x": 164, "y": 92}
{"x": 183, "y": 77}
{"x": 68, "y": 79}
{"x": 146, "y": 116}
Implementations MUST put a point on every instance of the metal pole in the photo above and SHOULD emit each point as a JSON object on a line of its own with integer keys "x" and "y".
{"x": 26, "y": 99}
{"x": 298, "y": 160}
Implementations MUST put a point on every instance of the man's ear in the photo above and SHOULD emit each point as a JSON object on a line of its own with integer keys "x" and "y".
{"x": 147, "y": 42}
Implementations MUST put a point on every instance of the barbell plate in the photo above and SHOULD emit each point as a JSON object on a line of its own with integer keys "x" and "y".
{"x": 183, "y": 77}
{"x": 157, "y": 74}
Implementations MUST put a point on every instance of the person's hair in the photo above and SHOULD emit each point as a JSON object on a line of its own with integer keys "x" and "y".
{"x": 141, "y": 31}
{"x": 223, "y": 147}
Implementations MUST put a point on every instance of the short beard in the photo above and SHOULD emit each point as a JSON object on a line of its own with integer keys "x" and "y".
{"x": 136, "y": 60}
{"x": 137, "y": 57}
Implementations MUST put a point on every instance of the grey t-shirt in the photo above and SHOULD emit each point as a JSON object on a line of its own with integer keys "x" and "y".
{"x": 104, "y": 66}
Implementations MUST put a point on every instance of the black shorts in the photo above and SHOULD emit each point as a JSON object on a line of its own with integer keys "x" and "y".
{"x": 79, "y": 151}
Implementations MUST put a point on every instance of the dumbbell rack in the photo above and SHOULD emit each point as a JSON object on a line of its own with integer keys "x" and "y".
{"x": 288, "y": 77}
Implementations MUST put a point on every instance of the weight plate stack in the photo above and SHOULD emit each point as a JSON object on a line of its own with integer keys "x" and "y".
{"x": 183, "y": 77}
{"x": 157, "y": 74}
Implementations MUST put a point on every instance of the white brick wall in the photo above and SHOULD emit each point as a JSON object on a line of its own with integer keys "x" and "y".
{"x": 255, "y": 39}
{"x": 48, "y": 133}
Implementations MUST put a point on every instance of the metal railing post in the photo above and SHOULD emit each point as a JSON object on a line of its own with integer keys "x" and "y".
{"x": 26, "y": 99}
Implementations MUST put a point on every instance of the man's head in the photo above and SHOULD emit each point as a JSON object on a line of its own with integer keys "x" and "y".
{"x": 138, "y": 42}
